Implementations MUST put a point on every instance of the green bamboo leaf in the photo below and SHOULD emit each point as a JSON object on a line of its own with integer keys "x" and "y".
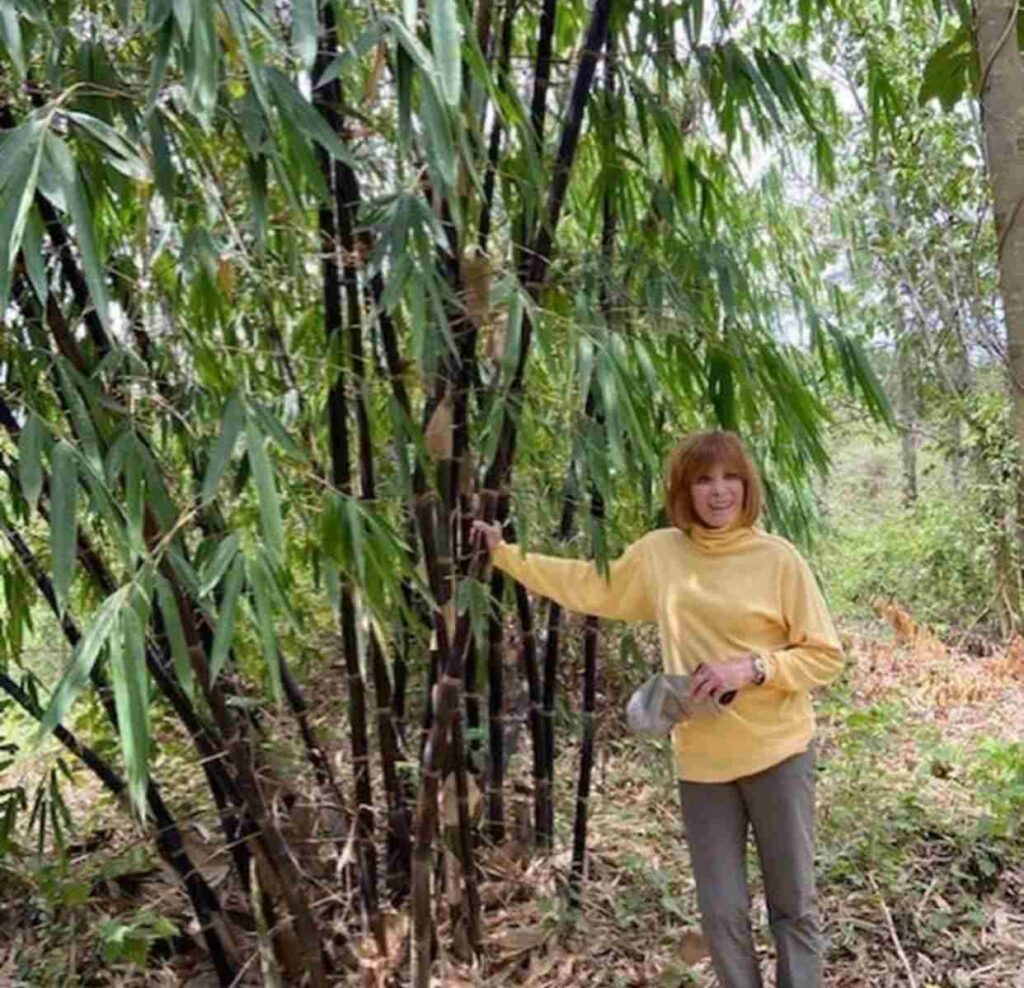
{"x": 364, "y": 44}
{"x": 440, "y": 144}
{"x": 220, "y": 456}
{"x": 225, "y": 631}
{"x": 259, "y": 578}
{"x": 63, "y": 519}
{"x": 69, "y": 381}
{"x": 201, "y": 61}
{"x": 271, "y": 426}
{"x": 163, "y": 167}
{"x": 122, "y": 155}
{"x": 182, "y": 10}
{"x": 161, "y": 58}
{"x": 211, "y": 573}
{"x": 292, "y": 105}
{"x": 946, "y": 73}
{"x": 354, "y": 521}
{"x": 304, "y": 32}
{"x": 82, "y": 660}
{"x": 130, "y": 680}
{"x": 184, "y": 570}
{"x": 20, "y": 160}
{"x": 135, "y": 498}
{"x": 412, "y": 45}
{"x": 78, "y": 206}
{"x": 281, "y": 600}
{"x": 10, "y": 36}
{"x": 34, "y": 255}
{"x": 30, "y": 458}
{"x": 266, "y": 490}
{"x": 175, "y": 633}
{"x": 335, "y": 537}
{"x": 157, "y": 12}
{"x": 446, "y": 41}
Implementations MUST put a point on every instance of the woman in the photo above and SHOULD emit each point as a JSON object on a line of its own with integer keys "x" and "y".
{"x": 740, "y": 610}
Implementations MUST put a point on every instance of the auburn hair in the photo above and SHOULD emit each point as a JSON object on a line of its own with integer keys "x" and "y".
{"x": 696, "y": 454}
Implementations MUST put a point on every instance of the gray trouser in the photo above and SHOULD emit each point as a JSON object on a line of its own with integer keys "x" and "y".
{"x": 779, "y": 804}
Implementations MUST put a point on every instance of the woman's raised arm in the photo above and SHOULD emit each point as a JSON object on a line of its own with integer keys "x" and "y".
{"x": 576, "y": 584}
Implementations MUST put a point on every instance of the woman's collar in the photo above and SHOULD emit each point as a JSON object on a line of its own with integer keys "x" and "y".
{"x": 721, "y": 539}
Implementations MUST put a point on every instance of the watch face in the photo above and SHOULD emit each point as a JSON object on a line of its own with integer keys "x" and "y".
{"x": 760, "y": 672}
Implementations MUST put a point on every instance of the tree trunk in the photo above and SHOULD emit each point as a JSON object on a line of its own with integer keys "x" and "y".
{"x": 1002, "y": 108}
{"x": 909, "y": 425}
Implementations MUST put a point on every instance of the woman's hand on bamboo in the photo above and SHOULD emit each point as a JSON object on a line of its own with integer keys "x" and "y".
{"x": 486, "y": 533}
{"x": 714, "y": 679}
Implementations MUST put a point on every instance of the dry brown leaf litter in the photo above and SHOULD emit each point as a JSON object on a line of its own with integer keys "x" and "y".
{"x": 639, "y": 924}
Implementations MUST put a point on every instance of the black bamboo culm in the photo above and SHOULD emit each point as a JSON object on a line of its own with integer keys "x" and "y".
{"x": 328, "y": 100}
{"x": 495, "y": 778}
{"x": 579, "y": 830}
{"x": 323, "y": 771}
{"x": 454, "y": 522}
{"x": 494, "y": 141}
{"x": 398, "y": 844}
{"x": 536, "y": 269}
{"x": 542, "y": 791}
{"x": 167, "y": 837}
{"x": 534, "y": 273}
{"x": 464, "y": 838}
{"x": 552, "y": 647}
{"x": 590, "y": 633}
{"x": 273, "y": 850}
{"x": 209, "y": 746}
{"x": 527, "y": 223}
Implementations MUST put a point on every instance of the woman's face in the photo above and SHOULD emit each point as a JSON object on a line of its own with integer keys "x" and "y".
{"x": 717, "y": 495}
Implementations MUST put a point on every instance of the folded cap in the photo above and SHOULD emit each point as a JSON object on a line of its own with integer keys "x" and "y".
{"x": 663, "y": 700}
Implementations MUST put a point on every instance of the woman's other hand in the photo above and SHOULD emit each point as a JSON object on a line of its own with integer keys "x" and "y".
{"x": 714, "y": 679}
{"x": 488, "y": 534}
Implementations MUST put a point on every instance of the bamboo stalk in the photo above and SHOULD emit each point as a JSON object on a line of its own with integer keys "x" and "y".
{"x": 273, "y": 851}
{"x": 552, "y": 647}
{"x": 94, "y": 762}
{"x": 500, "y": 471}
{"x": 327, "y": 100}
{"x": 494, "y": 141}
{"x": 464, "y": 837}
{"x": 597, "y": 512}
{"x": 542, "y": 793}
{"x": 399, "y": 847}
{"x": 542, "y": 71}
{"x": 579, "y": 841}
{"x": 495, "y": 714}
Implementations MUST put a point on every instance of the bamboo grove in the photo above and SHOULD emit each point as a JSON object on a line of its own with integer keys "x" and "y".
{"x": 291, "y": 291}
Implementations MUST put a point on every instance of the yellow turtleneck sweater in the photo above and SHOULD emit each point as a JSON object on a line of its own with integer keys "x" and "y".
{"x": 716, "y": 595}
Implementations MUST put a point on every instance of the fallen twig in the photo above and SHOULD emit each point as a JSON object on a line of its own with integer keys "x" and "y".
{"x": 893, "y": 934}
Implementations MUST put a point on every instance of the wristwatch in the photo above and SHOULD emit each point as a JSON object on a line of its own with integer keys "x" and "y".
{"x": 760, "y": 668}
